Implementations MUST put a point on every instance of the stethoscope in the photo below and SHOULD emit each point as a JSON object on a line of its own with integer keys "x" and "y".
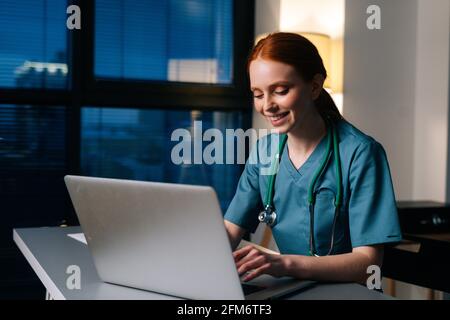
{"x": 269, "y": 216}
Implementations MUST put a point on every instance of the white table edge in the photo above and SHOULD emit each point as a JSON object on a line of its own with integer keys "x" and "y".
{"x": 51, "y": 287}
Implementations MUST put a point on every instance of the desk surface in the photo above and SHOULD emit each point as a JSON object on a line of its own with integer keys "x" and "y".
{"x": 50, "y": 252}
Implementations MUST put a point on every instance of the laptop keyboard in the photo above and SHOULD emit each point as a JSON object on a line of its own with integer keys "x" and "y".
{"x": 250, "y": 288}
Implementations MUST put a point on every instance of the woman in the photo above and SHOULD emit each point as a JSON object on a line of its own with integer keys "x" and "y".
{"x": 286, "y": 75}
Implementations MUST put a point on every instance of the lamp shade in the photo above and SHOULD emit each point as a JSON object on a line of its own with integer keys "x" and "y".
{"x": 323, "y": 45}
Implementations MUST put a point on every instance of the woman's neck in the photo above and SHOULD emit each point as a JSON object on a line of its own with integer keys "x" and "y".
{"x": 303, "y": 138}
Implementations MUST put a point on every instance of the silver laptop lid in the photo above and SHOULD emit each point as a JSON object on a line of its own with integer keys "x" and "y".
{"x": 162, "y": 237}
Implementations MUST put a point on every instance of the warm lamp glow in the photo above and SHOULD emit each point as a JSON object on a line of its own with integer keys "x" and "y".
{"x": 323, "y": 45}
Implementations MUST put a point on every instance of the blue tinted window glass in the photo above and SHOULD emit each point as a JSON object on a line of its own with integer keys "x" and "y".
{"x": 136, "y": 144}
{"x": 33, "y": 50}
{"x": 32, "y": 167}
{"x": 169, "y": 40}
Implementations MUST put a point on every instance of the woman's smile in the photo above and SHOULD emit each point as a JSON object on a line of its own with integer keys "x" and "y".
{"x": 278, "y": 119}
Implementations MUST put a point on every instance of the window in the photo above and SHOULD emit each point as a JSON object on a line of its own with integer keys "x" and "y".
{"x": 167, "y": 40}
{"x": 136, "y": 144}
{"x": 123, "y": 101}
{"x": 192, "y": 41}
{"x": 33, "y": 44}
{"x": 32, "y": 162}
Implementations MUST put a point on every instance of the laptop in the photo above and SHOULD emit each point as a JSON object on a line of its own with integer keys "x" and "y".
{"x": 165, "y": 238}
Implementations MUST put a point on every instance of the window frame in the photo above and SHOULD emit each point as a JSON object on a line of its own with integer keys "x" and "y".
{"x": 143, "y": 93}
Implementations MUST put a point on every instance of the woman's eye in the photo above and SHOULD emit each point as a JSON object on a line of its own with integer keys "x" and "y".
{"x": 283, "y": 92}
{"x": 258, "y": 97}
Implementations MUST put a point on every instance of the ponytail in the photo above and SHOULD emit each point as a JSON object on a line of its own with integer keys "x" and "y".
{"x": 326, "y": 106}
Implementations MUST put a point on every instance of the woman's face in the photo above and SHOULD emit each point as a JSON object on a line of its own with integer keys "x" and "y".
{"x": 279, "y": 94}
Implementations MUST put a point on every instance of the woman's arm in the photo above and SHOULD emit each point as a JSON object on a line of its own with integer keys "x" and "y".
{"x": 235, "y": 233}
{"x": 349, "y": 267}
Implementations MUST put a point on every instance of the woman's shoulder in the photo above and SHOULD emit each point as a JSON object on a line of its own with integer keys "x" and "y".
{"x": 350, "y": 139}
{"x": 351, "y": 136}
{"x": 354, "y": 143}
{"x": 268, "y": 140}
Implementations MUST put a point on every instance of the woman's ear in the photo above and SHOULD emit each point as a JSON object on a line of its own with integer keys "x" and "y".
{"x": 317, "y": 85}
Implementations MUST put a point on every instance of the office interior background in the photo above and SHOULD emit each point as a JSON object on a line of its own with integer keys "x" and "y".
{"x": 103, "y": 100}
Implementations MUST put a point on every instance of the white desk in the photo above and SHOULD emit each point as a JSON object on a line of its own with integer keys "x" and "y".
{"x": 50, "y": 251}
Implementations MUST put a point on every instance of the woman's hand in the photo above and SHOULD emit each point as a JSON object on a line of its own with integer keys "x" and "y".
{"x": 250, "y": 258}
{"x": 346, "y": 267}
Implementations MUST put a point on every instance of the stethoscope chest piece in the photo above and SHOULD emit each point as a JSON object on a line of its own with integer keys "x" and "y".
{"x": 268, "y": 216}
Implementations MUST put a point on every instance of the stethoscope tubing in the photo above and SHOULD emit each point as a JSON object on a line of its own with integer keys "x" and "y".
{"x": 268, "y": 215}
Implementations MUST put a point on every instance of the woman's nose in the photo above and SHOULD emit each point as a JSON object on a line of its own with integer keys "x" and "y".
{"x": 270, "y": 106}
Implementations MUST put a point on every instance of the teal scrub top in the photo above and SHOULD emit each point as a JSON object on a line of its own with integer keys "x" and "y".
{"x": 368, "y": 214}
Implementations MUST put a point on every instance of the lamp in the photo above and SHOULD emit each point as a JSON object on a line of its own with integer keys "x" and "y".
{"x": 323, "y": 45}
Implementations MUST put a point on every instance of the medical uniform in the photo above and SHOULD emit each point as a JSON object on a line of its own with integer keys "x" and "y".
{"x": 368, "y": 214}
